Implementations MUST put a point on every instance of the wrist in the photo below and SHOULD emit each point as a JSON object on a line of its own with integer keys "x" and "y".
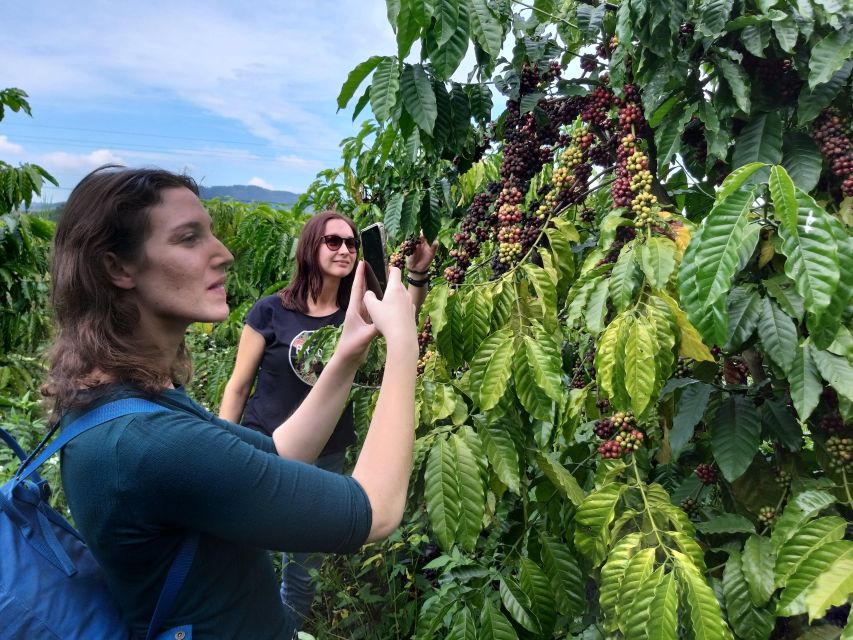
{"x": 417, "y": 283}
{"x": 403, "y": 347}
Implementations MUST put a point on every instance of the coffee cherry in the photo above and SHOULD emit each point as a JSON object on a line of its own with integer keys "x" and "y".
{"x": 840, "y": 452}
{"x": 691, "y": 507}
{"x": 783, "y": 478}
{"x": 832, "y": 423}
{"x": 707, "y": 473}
{"x": 766, "y": 515}
{"x": 604, "y": 428}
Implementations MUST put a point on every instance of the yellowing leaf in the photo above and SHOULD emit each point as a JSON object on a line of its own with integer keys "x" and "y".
{"x": 691, "y": 345}
{"x": 766, "y": 253}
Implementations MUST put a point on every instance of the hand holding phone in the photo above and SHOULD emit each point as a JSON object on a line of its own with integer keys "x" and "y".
{"x": 375, "y": 258}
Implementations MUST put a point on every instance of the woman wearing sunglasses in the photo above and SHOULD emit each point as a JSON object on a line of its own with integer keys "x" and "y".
{"x": 276, "y": 327}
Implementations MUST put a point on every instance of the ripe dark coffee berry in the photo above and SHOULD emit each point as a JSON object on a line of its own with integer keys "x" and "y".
{"x": 604, "y": 428}
{"x": 832, "y": 423}
{"x": 707, "y": 473}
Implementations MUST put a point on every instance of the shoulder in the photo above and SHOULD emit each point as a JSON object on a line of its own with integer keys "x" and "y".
{"x": 264, "y": 310}
{"x": 272, "y": 301}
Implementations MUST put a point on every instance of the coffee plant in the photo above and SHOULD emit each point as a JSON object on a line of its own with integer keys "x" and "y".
{"x": 635, "y": 385}
{"x": 635, "y": 390}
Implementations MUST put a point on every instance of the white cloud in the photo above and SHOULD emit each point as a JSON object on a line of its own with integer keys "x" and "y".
{"x": 274, "y": 68}
{"x": 260, "y": 182}
{"x": 296, "y": 162}
{"x": 63, "y": 161}
{"x": 10, "y": 148}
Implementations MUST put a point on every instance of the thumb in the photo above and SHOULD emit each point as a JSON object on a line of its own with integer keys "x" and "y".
{"x": 371, "y": 302}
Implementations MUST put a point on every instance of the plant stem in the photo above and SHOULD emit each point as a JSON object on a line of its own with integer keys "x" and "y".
{"x": 545, "y": 13}
{"x": 648, "y": 509}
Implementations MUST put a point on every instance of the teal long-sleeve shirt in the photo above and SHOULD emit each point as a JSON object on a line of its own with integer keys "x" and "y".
{"x": 137, "y": 484}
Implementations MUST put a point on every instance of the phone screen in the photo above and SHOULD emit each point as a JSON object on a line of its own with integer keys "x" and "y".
{"x": 373, "y": 248}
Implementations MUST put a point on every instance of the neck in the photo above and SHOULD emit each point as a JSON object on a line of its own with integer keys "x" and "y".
{"x": 327, "y": 301}
{"x": 165, "y": 338}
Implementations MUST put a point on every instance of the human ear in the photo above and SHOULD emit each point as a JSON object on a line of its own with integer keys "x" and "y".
{"x": 118, "y": 272}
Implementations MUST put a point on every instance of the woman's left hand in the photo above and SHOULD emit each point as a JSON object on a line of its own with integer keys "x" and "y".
{"x": 424, "y": 253}
{"x": 358, "y": 330}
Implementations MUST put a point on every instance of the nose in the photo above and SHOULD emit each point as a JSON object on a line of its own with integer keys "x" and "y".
{"x": 224, "y": 257}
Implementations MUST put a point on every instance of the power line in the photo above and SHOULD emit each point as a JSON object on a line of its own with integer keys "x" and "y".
{"x": 146, "y": 135}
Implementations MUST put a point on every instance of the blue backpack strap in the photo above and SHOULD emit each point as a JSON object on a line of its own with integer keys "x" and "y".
{"x": 9, "y": 439}
{"x": 89, "y": 420}
{"x": 174, "y": 581}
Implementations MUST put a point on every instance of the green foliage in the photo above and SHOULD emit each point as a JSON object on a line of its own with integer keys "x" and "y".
{"x": 603, "y": 314}
{"x": 572, "y": 390}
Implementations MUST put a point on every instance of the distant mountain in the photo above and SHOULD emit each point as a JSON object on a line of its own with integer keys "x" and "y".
{"x": 248, "y": 193}
{"x": 240, "y": 192}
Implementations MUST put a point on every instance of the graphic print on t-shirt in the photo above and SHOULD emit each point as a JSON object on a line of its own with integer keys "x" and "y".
{"x": 306, "y": 369}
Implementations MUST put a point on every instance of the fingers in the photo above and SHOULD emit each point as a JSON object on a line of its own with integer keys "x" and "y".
{"x": 358, "y": 284}
{"x": 394, "y": 278}
{"x": 372, "y": 304}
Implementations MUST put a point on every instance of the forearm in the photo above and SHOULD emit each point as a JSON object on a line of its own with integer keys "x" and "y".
{"x": 417, "y": 295}
{"x": 304, "y": 434}
{"x": 385, "y": 462}
{"x": 233, "y": 401}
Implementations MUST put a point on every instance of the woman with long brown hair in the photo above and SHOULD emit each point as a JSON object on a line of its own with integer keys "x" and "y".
{"x": 135, "y": 262}
{"x": 274, "y": 330}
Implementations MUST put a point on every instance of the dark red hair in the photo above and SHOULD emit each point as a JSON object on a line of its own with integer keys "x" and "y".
{"x": 308, "y": 280}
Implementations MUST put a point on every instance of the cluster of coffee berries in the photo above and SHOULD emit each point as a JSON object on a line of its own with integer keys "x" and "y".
{"x": 777, "y": 75}
{"x": 691, "y": 507}
{"x": 425, "y": 335}
{"x": 624, "y": 437}
{"x": 766, "y": 515}
{"x": 840, "y": 452}
{"x": 422, "y": 361}
{"x": 623, "y": 235}
{"x": 406, "y": 249}
{"x": 735, "y": 371}
{"x": 532, "y": 78}
{"x": 783, "y": 478}
{"x": 707, "y": 473}
{"x": 584, "y": 370}
{"x": 682, "y": 369}
{"x": 832, "y": 422}
{"x": 833, "y": 136}
{"x": 597, "y": 108}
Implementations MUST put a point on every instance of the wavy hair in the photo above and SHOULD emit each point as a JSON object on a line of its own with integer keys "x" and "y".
{"x": 95, "y": 321}
{"x": 308, "y": 279}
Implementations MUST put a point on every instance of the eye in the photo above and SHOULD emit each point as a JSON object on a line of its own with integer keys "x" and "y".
{"x": 189, "y": 238}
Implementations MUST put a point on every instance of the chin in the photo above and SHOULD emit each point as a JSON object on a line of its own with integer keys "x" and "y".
{"x": 217, "y": 315}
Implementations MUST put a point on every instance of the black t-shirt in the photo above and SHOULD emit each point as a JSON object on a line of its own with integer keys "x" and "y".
{"x": 278, "y": 390}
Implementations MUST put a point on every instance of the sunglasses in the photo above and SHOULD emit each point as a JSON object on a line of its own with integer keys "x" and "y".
{"x": 334, "y": 243}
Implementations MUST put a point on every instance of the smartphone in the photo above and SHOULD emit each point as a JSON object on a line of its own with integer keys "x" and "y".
{"x": 375, "y": 258}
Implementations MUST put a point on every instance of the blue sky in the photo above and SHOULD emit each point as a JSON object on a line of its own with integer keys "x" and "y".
{"x": 231, "y": 92}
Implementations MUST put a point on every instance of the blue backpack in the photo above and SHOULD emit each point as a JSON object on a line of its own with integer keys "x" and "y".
{"x": 50, "y": 584}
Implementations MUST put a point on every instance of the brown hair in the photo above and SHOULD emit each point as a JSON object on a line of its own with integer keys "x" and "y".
{"x": 96, "y": 322}
{"x": 309, "y": 279}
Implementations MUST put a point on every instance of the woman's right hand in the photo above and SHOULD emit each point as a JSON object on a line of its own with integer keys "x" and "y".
{"x": 394, "y": 315}
{"x": 358, "y": 331}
